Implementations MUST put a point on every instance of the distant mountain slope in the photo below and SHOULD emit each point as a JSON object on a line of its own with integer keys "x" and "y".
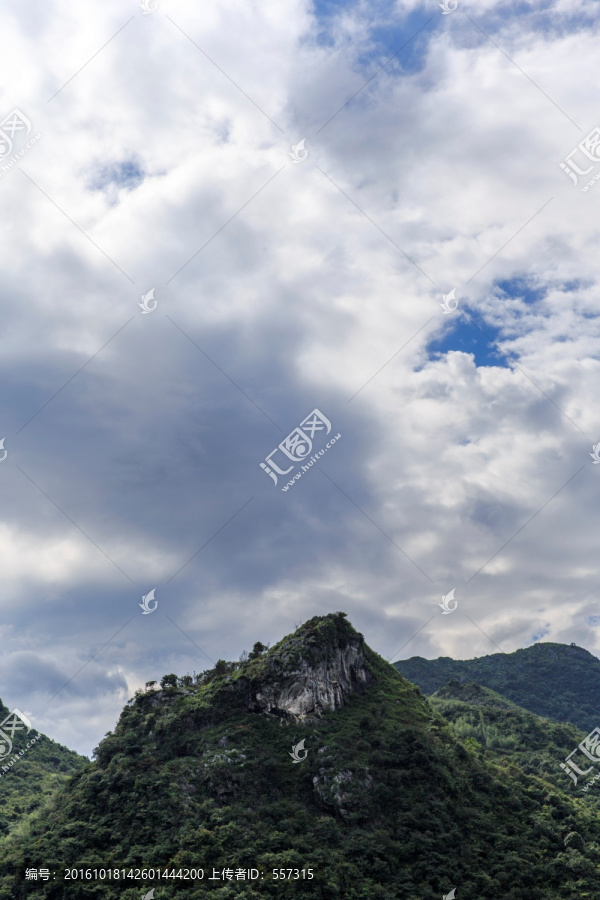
{"x": 27, "y": 781}
{"x": 382, "y": 801}
{"x": 552, "y": 680}
{"x": 509, "y": 735}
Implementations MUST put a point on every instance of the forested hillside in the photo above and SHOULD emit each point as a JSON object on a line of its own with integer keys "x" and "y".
{"x": 26, "y": 782}
{"x": 553, "y": 680}
{"x": 385, "y": 799}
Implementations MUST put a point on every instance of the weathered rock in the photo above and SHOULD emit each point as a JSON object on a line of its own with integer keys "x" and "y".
{"x": 313, "y": 678}
{"x": 341, "y": 792}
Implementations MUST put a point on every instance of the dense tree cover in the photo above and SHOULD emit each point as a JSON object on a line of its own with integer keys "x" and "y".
{"x": 504, "y": 733}
{"x": 28, "y": 781}
{"x": 552, "y": 680}
{"x": 390, "y": 802}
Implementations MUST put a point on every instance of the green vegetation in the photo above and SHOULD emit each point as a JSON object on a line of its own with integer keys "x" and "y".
{"x": 393, "y": 801}
{"x": 507, "y": 735}
{"x": 552, "y": 680}
{"x": 34, "y": 777}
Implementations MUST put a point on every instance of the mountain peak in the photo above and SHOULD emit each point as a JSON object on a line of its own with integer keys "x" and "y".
{"x": 369, "y": 791}
{"x": 310, "y": 672}
{"x": 523, "y": 677}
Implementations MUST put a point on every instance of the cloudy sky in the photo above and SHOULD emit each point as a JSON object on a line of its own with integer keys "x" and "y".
{"x": 153, "y": 151}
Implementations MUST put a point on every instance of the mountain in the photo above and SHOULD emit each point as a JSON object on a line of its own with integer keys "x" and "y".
{"x": 318, "y": 761}
{"x": 552, "y": 680}
{"x": 27, "y": 781}
{"x": 509, "y": 735}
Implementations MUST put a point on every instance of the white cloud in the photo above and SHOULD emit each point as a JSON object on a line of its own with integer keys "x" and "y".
{"x": 299, "y": 300}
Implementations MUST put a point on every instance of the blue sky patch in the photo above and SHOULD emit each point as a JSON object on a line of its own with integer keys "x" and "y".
{"x": 405, "y": 38}
{"x": 385, "y": 33}
{"x": 463, "y": 334}
{"x": 126, "y": 174}
{"x": 519, "y": 287}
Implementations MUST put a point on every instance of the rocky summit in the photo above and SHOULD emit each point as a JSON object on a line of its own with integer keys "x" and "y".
{"x": 311, "y": 675}
{"x": 314, "y": 769}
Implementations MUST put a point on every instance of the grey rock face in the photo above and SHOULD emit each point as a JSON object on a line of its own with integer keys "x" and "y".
{"x": 312, "y": 688}
{"x": 343, "y": 792}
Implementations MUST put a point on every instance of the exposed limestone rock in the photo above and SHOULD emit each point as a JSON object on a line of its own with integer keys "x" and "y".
{"x": 342, "y": 792}
{"x": 312, "y": 677}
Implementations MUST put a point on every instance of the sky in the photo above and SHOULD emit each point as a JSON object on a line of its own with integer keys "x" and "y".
{"x": 349, "y": 221}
